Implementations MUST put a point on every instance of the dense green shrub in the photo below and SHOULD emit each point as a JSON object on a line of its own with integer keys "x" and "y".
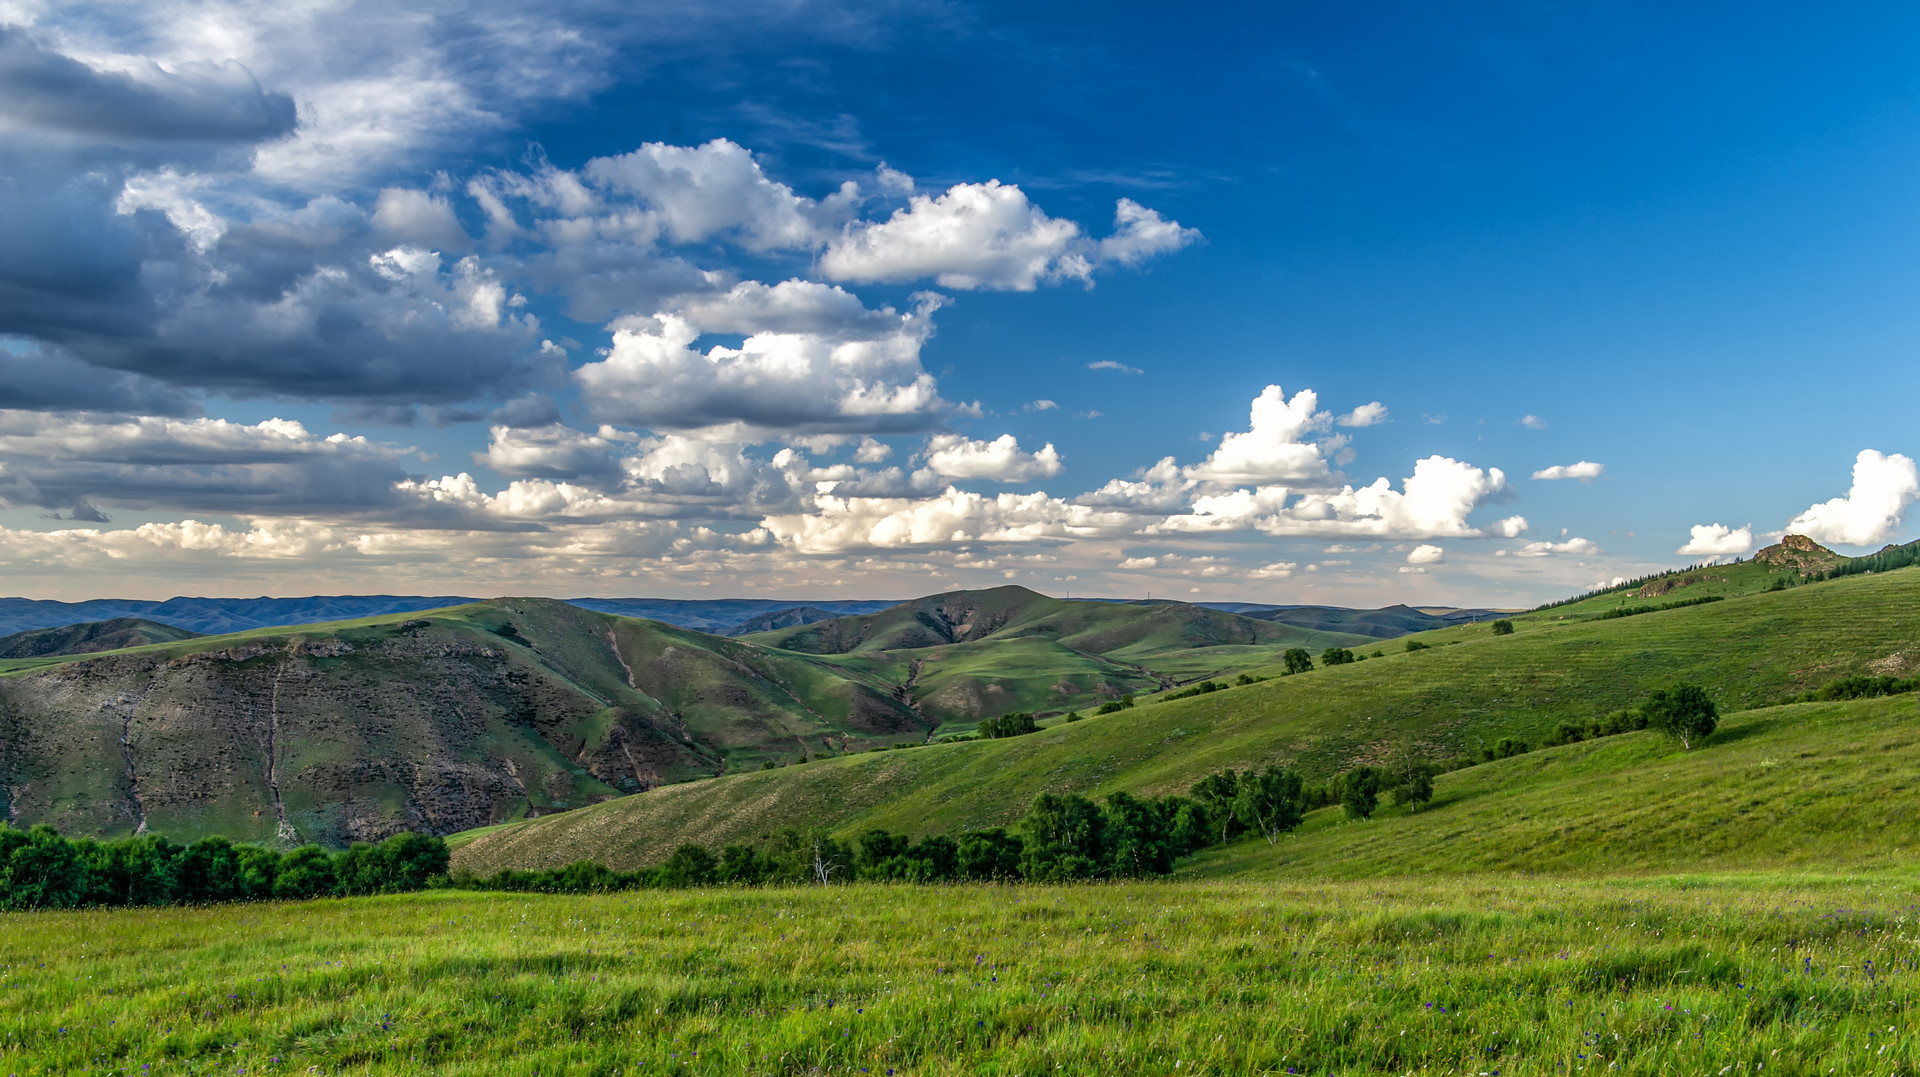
{"x": 1685, "y": 713}
{"x": 1201, "y": 689}
{"x": 1360, "y": 792}
{"x": 1503, "y": 627}
{"x": 1296, "y": 660}
{"x": 1269, "y": 802}
{"x": 1858, "y": 688}
{"x": 1064, "y": 837}
{"x": 1506, "y": 748}
{"x": 1336, "y": 656}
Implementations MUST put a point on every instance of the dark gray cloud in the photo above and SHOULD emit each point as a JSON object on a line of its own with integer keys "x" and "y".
{"x": 196, "y": 102}
{"x": 40, "y": 382}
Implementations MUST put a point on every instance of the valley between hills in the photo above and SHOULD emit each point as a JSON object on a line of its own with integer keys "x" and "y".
{"x": 537, "y": 732}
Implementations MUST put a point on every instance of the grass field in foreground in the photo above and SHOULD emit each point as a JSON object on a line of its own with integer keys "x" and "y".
{"x": 1479, "y": 975}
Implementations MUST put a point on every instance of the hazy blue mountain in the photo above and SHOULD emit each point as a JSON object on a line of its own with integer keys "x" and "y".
{"x": 214, "y": 616}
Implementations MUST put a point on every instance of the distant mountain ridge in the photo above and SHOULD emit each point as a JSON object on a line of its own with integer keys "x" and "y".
{"x": 214, "y": 616}
{"x": 717, "y": 616}
{"x": 725, "y": 616}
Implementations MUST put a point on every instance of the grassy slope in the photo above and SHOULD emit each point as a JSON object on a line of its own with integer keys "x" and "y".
{"x": 1468, "y": 689}
{"x": 1809, "y": 786}
{"x": 1693, "y": 975}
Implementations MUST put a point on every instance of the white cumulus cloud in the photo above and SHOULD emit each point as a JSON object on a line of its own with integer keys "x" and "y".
{"x": 1140, "y": 233}
{"x": 1718, "y": 540}
{"x": 1435, "y": 503}
{"x": 956, "y": 457}
{"x": 1551, "y": 549}
{"x": 814, "y": 360}
{"x": 975, "y": 236}
{"x": 990, "y": 236}
{"x": 1365, "y": 415}
{"x": 1585, "y": 470}
{"x": 1883, "y": 488}
{"x": 953, "y": 517}
{"x": 1425, "y": 554}
{"x": 1271, "y": 450}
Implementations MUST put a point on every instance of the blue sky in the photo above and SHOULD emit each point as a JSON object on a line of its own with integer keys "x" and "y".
{"x": 1286, "y": 304}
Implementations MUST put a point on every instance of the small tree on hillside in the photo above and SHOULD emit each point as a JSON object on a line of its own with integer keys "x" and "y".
{"x": 1360, "y": 792}
{"x": 1685, "y": 713}
{"x": 1412, "y": 782}
{"x": 1503, "y": 627}
{"x": 1269, "y": 801}
{"x": 1216, "y": 792}
{"x": 1336, "y": 656}
{"x": 1297, "y": 660}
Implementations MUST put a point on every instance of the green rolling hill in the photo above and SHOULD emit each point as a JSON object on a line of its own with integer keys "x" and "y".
{"x": 1467, "y": 688}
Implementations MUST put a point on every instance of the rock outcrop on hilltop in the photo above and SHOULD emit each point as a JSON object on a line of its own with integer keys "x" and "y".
{"x": 1799, "y": 553}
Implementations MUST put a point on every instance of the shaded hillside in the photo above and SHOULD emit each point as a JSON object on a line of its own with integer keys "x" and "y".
{"x": 90, "y": 638}
{"x": 774, "y": 620}
{"x": 1465, "y": 691}
{"x": 438, "y": 723}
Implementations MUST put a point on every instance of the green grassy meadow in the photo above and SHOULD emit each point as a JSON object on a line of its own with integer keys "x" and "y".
{"x": 1479, "y": 974}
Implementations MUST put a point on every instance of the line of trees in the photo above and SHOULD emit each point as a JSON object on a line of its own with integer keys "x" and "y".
{"x": 40, "y": 869}
{"x": 1858, "y": 688}
{"x": 1015, "y": 724}
{"x": 1299, "y": 660}
{"x": 1635, "y": 611}
{"x": 1063, "y": 837}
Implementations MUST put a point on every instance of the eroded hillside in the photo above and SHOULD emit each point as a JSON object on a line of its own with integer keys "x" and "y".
{"x": 436, "y": 723}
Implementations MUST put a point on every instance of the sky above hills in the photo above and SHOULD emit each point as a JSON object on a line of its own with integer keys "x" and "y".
{"x": 1290, "y": 303}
